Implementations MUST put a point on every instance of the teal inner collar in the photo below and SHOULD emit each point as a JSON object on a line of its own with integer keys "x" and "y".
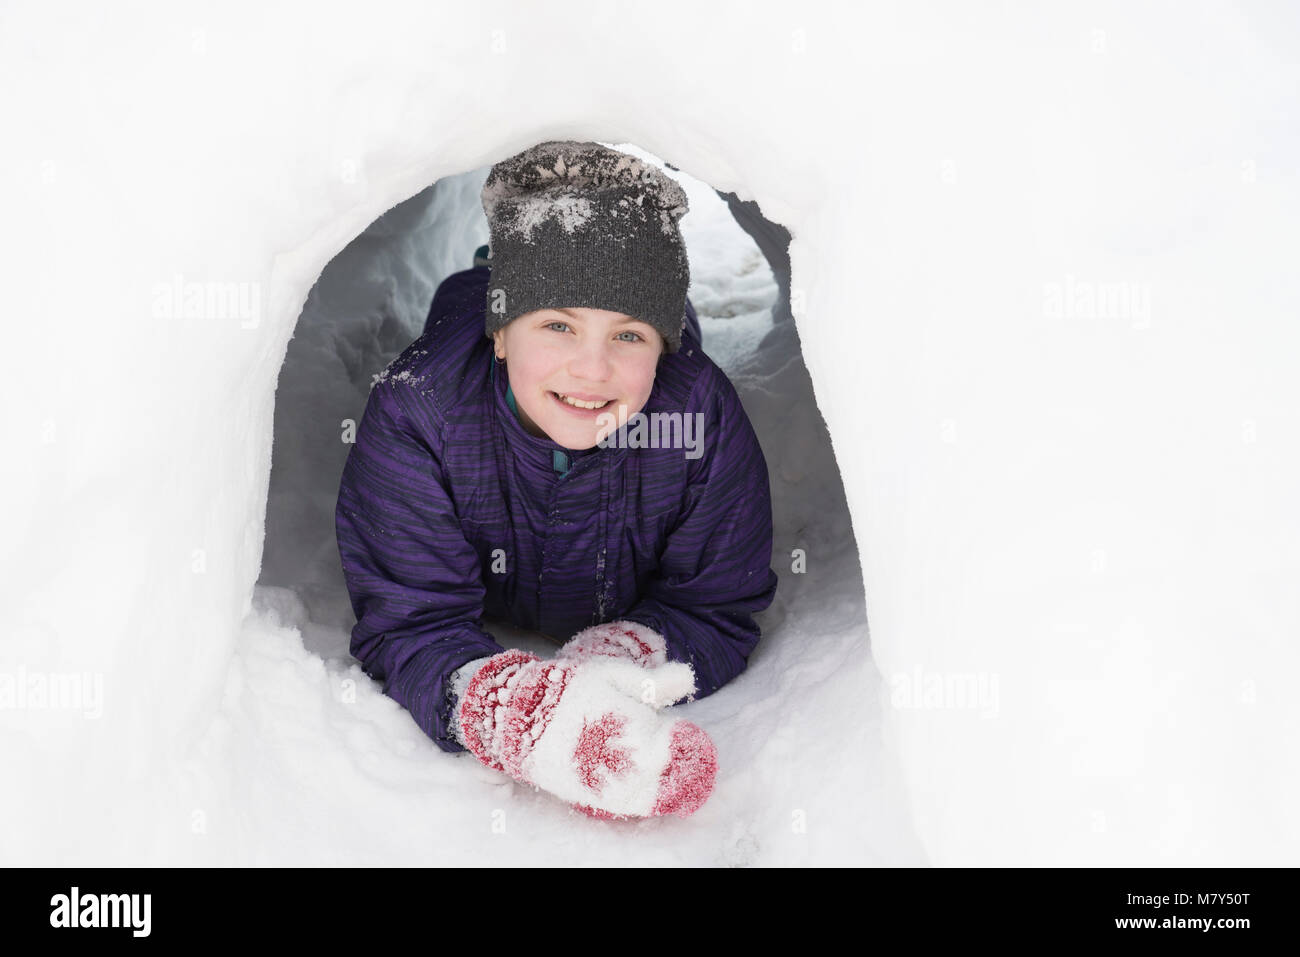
{"x": 510, "y": 392}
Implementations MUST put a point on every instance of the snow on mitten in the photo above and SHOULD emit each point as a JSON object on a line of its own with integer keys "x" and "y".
{"x": 590, "y": 732}
{"x": 620, "y": 639}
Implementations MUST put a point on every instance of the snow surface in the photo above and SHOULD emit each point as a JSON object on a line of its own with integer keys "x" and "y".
{"x": 1043, "y": 270}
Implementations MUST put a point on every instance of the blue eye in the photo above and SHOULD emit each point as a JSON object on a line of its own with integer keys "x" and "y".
{"x": 627, "y": 332}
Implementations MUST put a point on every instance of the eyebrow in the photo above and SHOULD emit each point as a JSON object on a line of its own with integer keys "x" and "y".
{"x": 621, "y": 322}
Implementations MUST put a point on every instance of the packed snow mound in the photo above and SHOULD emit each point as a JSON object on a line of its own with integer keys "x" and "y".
{"x": 1043, "y": 274}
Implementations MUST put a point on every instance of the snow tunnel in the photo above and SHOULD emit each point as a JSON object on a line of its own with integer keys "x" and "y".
{"x": 1041, "y": 274}
{"x": 372, "y": 300}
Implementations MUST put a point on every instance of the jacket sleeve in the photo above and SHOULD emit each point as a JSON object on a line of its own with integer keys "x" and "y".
{"x": 414, "y": 581}
{"x": 715, "y": 570}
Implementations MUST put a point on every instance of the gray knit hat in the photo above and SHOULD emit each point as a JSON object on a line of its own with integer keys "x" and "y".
{"x": 581, "y": 225}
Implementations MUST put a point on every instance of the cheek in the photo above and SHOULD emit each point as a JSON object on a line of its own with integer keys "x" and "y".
{"x": 641, "y": 384}
{"x": 532, "y": 374}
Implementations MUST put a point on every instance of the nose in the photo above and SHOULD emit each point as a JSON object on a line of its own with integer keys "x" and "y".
{"x": 591, "y": 360}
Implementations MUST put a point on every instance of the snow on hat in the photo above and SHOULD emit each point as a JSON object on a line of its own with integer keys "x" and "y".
{"x": 580, "y": 225}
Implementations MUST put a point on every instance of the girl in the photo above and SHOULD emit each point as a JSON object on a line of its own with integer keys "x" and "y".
{"x": 556, "y": 450}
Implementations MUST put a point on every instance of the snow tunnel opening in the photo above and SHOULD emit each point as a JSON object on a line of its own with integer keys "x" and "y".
{"x": 372, "y": 300}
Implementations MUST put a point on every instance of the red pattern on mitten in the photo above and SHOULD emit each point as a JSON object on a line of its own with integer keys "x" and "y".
{"x": 479, "y": 704}
{"x": 590, "y": 731}
{"x": 618, "y": 639}
{"x": 687, "y": 781}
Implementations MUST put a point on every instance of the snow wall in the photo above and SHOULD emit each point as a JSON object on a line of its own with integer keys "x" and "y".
{"x": 1043, "y": 270}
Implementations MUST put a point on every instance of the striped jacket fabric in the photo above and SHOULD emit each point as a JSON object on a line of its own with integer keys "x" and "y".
{"x": 449, "y": 511}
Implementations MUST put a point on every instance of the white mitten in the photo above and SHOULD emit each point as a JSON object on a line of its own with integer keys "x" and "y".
{"x": 589, "y": 730}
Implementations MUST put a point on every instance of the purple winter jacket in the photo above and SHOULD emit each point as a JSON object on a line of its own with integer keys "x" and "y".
{"x": 449, "y": 511}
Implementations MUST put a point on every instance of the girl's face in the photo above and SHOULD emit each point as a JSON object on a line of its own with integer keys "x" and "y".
{"x": 587, "y": 354}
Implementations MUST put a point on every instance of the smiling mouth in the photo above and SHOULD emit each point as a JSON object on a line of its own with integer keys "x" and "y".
{"x": 580, "y": 406}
